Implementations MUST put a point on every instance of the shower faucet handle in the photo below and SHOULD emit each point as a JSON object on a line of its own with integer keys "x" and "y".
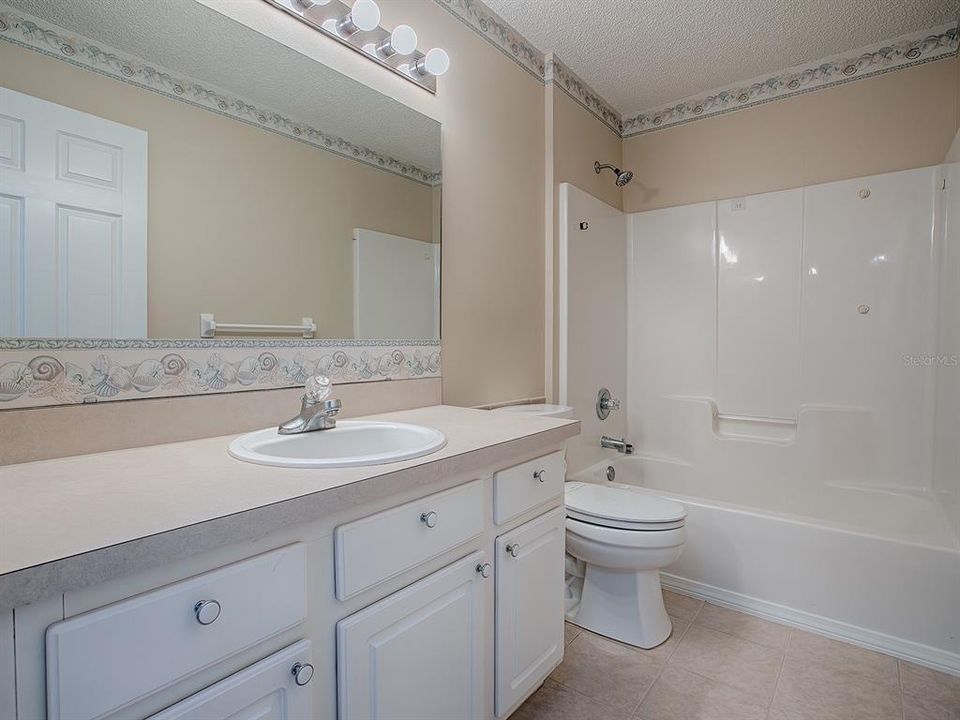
{"x": 606, "y": 404}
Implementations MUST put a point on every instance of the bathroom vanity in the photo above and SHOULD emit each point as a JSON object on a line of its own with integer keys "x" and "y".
{"x": 175, "y": 581}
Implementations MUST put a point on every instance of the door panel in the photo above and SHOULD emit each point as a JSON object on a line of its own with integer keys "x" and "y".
{"x": 11, "y": 263}
{"x": 88, "y": 272}
{"x": 89, "y": 161}
{"x": 417, "y": 653}
{"x": 529, "y": 640}
{"x": 11, "y": 142}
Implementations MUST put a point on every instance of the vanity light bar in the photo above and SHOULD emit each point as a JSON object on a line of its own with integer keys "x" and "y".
{"x": 357, "y": 25}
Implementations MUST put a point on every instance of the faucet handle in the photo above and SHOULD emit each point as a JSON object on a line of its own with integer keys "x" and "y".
{"x": 317, "y": 389}
{"x": 606, "y": 403}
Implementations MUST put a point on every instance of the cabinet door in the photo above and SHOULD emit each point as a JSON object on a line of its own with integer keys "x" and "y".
{"x": 267, "y": 690}
{"x": 529, "y": 641}
{"x": 419, "y": 653}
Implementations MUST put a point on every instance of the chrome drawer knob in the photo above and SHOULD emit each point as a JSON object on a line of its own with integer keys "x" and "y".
{"x": 484, "y": 569}
{"x": 302, "y": 673}
{"x": 429, "y": 519}
{"x": 539, "y": 475}
{"x": 207, "y": 611}
{"x": 513, "y": 549}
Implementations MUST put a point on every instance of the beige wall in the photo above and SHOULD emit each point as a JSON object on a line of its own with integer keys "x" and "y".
{"x": 575, "y": 139}
{"x": 579, "y": 139}
{"x": 243, "y": 222}
{"x": 50, "y": 432}
{"x": 896, "y": 121}
{"x": 493, "y": 211}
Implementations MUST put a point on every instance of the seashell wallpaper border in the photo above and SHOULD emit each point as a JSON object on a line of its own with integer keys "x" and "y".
{"x": 896, "y": 54}
{"x": 38, "y": 373}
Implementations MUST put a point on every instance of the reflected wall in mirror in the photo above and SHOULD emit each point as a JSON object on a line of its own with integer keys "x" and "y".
{"x": 160, "y": 161}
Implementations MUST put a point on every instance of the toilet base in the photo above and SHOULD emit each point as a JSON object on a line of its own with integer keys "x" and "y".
{"x": 624, "y": 605}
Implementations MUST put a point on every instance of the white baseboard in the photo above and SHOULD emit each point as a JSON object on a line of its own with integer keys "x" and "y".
{"x": 925, "y": 655}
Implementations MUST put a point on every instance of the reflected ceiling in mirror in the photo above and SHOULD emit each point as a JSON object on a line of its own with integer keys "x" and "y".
{"x": 160, "y": 162}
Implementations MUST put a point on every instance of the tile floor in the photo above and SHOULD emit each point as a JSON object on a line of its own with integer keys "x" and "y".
{"x": 723, "y": 665}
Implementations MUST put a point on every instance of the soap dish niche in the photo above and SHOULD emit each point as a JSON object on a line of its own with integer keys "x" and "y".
{"x": 759, "y": 429}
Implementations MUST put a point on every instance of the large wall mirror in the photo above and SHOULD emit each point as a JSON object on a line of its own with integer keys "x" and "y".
{"x": 166, "y": 172}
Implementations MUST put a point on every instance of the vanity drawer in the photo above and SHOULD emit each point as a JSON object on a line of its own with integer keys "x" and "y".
{"x": 106, "y": 659}
{"x": 384, "y": 545}
{"x": 523, "y": 487}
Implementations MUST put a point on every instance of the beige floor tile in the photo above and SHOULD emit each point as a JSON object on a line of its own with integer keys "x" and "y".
{"x": 570, "y": 632}
{"x": 841, "y": 657}
{"x": 615, "y": 674}
{"x": 929, "y": 691}
{"x": 663, "y": 651}
{"x": 916, "y": 708}
{"x": 681, "y": 695}
{"x": 812, "y": 690}
{"x": 553, "y": 701}
{"x": 743, "y": 626}
{"x": 681, "y": 606}
{"x": 740, "y": 663}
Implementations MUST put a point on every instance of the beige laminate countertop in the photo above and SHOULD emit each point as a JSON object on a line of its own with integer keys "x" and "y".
{"x": 72, "y": 521}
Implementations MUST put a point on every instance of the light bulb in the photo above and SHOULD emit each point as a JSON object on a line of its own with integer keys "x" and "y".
{"x": 365, "y": 14}
{"x": 403, "y": 39}
{"x": 436, "y": 61}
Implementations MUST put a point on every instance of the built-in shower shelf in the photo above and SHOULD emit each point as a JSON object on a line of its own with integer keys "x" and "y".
{"x": 760, "y": 429}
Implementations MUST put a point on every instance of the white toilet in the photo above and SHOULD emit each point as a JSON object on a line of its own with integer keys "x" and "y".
{"x": 622, "y": 536}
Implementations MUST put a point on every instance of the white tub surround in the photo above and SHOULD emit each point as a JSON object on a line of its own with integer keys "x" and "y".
{"x": 75, "y": 521}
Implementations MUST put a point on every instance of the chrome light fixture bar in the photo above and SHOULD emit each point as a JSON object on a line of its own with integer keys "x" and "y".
{"x": 357, "y": 25}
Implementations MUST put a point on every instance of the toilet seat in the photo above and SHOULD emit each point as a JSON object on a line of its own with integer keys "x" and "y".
{"x": 622, "y": 507}
{"x": 624, "y": 539}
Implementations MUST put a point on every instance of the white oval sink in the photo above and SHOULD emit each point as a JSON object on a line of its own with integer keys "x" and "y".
{"x": 352, "y": 443}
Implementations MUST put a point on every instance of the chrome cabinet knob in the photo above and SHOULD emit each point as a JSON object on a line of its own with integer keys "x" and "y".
{"x": 513, "y": 549}
{"x": 302, "y": 673}
{"x": 429, "y": 519}
{"x": 539, "y": 475}
{"x": 484, "y": 569}
{"x": 207, "y": 611}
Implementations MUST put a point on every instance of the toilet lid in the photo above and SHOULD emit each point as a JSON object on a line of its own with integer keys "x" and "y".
{"x": 621, "y": 506}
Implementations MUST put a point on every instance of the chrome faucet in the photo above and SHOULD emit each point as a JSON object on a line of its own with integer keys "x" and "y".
{"x": 317, "y": 412}
{"x": 621, "y": 445}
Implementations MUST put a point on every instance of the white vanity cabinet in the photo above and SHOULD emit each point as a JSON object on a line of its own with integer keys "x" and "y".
{"x": 442, "y": 601}
{"x": 418, "y": 653}
{"x": 529, "y": 607}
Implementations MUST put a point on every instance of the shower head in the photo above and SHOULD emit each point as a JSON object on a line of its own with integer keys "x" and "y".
{"x": 623, "y": 176}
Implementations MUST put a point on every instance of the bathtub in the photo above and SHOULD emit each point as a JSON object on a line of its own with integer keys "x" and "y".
{"x": 837, "y": 564}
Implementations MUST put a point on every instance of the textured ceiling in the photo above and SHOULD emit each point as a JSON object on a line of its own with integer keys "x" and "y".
{"x": 190, "y": 39}
{"x": 641, "y": 54}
